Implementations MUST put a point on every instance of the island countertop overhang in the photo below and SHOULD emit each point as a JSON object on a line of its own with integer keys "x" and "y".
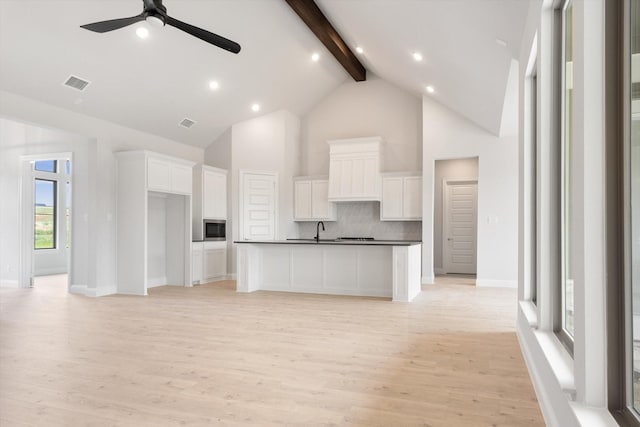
{"x": 333, "y": 242}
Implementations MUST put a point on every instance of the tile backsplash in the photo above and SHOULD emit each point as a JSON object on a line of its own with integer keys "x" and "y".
{"x": 362, "y": 219}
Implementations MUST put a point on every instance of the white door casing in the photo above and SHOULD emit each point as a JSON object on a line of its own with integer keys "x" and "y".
{"x": 258, "y": 205}
{"x": 460, "y": 224}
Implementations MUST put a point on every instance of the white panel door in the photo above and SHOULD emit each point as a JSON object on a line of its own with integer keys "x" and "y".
{"x": 460, "y": 226}
{"x": 259, "y": 206}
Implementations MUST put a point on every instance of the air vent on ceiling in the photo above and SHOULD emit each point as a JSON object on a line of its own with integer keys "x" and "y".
{"x": 187, "y": 123}
{"x": 76, "y": 83}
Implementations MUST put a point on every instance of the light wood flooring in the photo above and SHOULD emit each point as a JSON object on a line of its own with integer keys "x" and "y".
{"x": 209, "y": 356}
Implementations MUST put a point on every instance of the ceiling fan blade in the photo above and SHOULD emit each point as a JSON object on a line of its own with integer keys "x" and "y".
{"x": 205, "y": 35}
{"x": 113, "y": 24}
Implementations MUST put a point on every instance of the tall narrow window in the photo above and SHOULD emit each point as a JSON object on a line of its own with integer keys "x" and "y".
{"x": 567, "y": 283}
{"x": 45, "y": 214}
{"x": 533, "y": 153}
{"x": 634, "y": 195}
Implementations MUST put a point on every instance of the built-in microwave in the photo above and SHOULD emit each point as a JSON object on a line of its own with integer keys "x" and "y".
{"x": 215, "y": 229}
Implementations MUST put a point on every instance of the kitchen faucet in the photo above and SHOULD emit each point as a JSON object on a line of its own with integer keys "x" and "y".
{"x": 318, "y": 230}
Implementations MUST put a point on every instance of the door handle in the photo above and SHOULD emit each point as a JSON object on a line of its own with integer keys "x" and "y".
{"x": 449, "y": 238}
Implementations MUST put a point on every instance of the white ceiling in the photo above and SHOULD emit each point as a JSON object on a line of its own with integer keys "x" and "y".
{"x": 152, "y": 84}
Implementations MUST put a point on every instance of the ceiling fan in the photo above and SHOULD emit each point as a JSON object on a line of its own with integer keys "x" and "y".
{"x": 156, "y": 14}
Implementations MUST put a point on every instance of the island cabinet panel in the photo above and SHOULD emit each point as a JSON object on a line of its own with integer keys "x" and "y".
{"x": 378, "y": 270}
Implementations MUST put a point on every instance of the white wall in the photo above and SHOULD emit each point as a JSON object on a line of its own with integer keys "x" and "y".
{"x": 266, "y": 143}
{"x": 445, "y": 170}
{"x": 370, "y": 108}
{"x": 448, "y": 135}
{"x": 93, "y": 143}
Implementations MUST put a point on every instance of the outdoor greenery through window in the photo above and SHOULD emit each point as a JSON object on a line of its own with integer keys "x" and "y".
{"x": 45, "y": 214}
{"x": 567, "y": 291}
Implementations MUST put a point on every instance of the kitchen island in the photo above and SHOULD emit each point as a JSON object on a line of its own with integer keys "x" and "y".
{"x": 377, "y": 268}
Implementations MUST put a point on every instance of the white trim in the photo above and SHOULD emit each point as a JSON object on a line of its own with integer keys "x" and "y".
{"x": 78, "y": 289}
{"x": 153, "y": 282}
{"x": 439, "y": 270}
{"x": 9, "y": 284}
{"x": 428, "y": 280}
{"x": 51, "y": 271}
{"x": 93, "y": 292}
{"x": 489, "y": 283}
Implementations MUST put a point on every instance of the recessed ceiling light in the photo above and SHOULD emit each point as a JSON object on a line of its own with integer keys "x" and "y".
{"x": 359, "y": 50}
{"x": 142, "y": 32}
{"x": 315, "y": 57}
{"x": 501, "y": 42}
{"x": 213, "y": 85}
{"x": 255, "y": 107}
{"x": 430, "y": 89}
{"x": 417, "y": 56}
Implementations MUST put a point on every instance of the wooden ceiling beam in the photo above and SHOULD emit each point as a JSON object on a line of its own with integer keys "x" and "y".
{"x": 311, "y": 15}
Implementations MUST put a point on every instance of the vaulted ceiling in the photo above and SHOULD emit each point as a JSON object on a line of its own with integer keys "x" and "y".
{"x": 152, "y": 84}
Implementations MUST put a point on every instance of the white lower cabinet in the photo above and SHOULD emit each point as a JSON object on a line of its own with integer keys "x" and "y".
{"x": 196, "y": 262}
{"x": 209, "y": 261}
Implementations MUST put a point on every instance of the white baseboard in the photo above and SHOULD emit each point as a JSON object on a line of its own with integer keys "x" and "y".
{"x": 50, "y": 271}
{"x": 231, "y": 276}
{"x": 438, "y": 270}
{"x": 78, "y": 289}
{"x": 428, "y": 280}
{"x": 496, "y": 283}
{"x": 104, "y": 291}
{"x": 9, "y": 284}
{"x": 156, "y": 281}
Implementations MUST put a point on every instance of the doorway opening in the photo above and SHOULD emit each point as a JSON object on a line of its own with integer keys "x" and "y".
{"x": 456, "y": 217}
{"x": 46, "y": 218}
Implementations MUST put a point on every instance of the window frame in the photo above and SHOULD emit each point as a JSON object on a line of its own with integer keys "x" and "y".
{"x": 618, "y": 191}
{"x": 559, "y": 283}
{"x": 55, "y": 212}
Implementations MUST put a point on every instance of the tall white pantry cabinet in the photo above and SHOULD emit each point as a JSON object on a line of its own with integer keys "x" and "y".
{"x": 209, "y": 259}
{"x": 153, "y": 221}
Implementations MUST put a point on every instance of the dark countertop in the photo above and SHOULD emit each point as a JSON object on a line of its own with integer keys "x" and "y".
{"x": 333, "y": 242}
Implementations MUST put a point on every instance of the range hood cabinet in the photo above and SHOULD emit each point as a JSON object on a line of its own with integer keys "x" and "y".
{"x": 354, "y": 169}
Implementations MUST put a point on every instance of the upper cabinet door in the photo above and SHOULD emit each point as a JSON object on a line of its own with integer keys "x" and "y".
{"x": 302, "y": 200}
{"x": 158, "y": 175}
{"x": 181, "y": 179}
{"x": 412, "y": 195}
{"x": 168, "y": 177}
{"x": 320, "y": 206}
{"x": 391, "y": 198}
{"x": 214, "y": 195}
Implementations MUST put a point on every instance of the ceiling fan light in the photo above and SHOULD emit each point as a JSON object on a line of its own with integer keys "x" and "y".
{"x": 155, "y": 20}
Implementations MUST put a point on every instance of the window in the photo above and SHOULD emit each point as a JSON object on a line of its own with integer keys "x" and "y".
{"x": 633, "y": 163}
{"x": 534, "y": 186}
{"x": 45, "y": 165}
{"x": 565, "y": 321}
{"x": 45, "y": 214}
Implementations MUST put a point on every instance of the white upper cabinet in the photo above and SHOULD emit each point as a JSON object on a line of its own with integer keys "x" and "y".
{"x": 209, "y": 197}
{"x": 214, "y": 194}
{"x": 354, "y": 169}
{"x": 401, "y": 197}
{"x": 311, "y": 200}
{"x": 168, "y": 175}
